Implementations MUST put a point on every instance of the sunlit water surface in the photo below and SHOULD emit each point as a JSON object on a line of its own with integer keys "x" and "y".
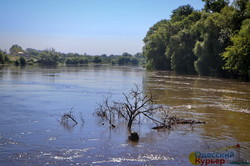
{"x": 33, "y": 99}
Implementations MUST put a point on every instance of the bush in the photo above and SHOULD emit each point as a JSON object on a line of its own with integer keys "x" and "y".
{"x": 97, "y": 59}
{"x": 2, "y": 59}
{"x": 17, "y": 62}
{"x": 83, "y": 61}
{"x": 22, "y": 61}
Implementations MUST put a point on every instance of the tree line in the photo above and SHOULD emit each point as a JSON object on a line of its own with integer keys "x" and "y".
{"x": 50, "y": 57}
{"x": 214, "y": 41}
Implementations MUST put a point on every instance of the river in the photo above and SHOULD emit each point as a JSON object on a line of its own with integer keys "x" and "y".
{"x": 33, "y": 100}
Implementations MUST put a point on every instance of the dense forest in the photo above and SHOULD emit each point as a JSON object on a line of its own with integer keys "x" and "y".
{"x": 49, "y": 57}
{"x": 212, "y": 42}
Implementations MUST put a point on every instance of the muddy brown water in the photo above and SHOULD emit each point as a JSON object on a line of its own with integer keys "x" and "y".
{"x": 33, "y": 99}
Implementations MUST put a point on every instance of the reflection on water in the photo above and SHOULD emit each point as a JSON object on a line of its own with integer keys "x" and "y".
{"x": 33, "y": 100}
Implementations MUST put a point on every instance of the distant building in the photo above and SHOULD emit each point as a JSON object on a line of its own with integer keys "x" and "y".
{"x": 20, "y": 53}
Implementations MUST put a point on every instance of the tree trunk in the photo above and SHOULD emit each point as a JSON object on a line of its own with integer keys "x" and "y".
{"x": 130, "y": 122}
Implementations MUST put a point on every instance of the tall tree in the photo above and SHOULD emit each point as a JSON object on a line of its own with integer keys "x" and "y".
{"x": 237, "y": 55}
{"x": 193, "y": 40}
{"x": 22, "y": 61}
{"x": 32, "y": 52}
{"x": 2, "y": 58}
{"x": 97, "y": 59}
{"x": 155, "y": 46}
{"x": 16, "y": 49}
{"x": 182, "y": 44}
{"x": 50, "y": 58}
{"x": 215, "y": 5}
{"x": 181, "y": 12}
{"x": 208, "y": 50}
{"x": 243, "y": 11}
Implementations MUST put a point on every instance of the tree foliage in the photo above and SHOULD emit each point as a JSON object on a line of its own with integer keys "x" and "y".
{"x": 2, "y": 58}
{"x": 155, "y": 45}
{"x": 208, "y": 49}
{"x": 76, "y": 61}
{"x": 22, "y": 61}
{"x": 15, "y": 50}
{"x": 215, "y": 5}
{"x": 181, "y": 12}
{"x": 237, "y": 55}
{"x": 50, "y": 58}
{"x": 194, "y": 41}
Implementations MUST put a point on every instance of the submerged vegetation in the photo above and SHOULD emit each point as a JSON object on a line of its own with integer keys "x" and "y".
{"x": 211, "y": 42}
{"x": 69, "y": 120}
{"x": 135, "y": 107}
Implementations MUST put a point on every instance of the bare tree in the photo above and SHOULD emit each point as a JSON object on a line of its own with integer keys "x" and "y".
{"x": 135, "y": 104}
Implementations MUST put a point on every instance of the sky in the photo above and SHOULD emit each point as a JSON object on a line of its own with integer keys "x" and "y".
{"x": 93, "y": 27}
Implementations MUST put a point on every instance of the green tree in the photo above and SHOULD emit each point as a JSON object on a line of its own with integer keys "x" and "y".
{"x": 215, "y": 5}
{"x": 169, "y": 44}
{"x": 247, "y": 11}
{"x": 138, "y": 55}
{"x": 22, "y": 61}
{"x": 193, "y": 40}
{"x": 17, "y": 62}
{"x": 15, "y": 50}
{"x": 155, "y": 46}
{"x": 124, "y": 60}
{"x": 237, "y": 56}
{"x": 50, "y": 58}
{"x": 32, "y": 52}
{"x": 6, "y": 59}
{"x": 228, "y": 23}
{"x": 134, "y": 61}
{"x": 241, "y": 5}
{"x": 83, "y": 60}
{"x": 181, "y": 45}
{"x": 97, "y": 59}
{"x": 208, "y": 49}
{"x": 2, "y": 58}
{"x": 72, "y": 61}
{"x": 243, "y": 11}
{"x": 181, "y": 12}
{"x": 125, "y": 54}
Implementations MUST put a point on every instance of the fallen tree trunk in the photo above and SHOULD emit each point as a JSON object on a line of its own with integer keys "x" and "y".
{"x": 162, "y": 127}
{"x": 173, "y": 120}
{"x": 184, "y": 121}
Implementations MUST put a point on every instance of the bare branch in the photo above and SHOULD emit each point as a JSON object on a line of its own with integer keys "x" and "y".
{"x": 154, "y": 120}
{"x": 135, "y": 104}
{"x": 128, "y": 105}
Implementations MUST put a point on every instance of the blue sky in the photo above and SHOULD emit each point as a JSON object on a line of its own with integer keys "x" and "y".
{"x": 83, "y": 26}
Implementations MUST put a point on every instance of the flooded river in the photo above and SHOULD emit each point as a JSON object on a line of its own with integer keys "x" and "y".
{"x": 33, "y": 100}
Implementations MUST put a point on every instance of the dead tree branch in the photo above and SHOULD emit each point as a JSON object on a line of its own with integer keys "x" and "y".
{"x": 68, "y": 116}
{"x": 135, "y": 105}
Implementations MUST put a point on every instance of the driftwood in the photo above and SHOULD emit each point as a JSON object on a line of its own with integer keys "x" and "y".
{"x": 162, "y": 127}
{"x": 69, "y": 116}
{"x": 174, "y": 120}
{"x": 65, "y": 117}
